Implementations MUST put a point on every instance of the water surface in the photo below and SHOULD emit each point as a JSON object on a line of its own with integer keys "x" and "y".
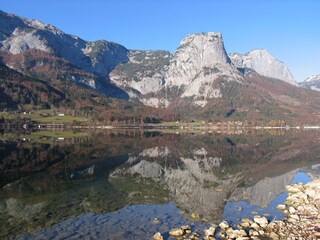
{"x": 111, "y": 185}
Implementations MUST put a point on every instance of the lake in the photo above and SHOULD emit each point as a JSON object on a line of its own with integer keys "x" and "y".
{"x": 130, "y": 184}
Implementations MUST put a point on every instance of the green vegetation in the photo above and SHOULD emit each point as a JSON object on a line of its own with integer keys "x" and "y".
{"x": 57, "y": 119}
{"x": 42, "y": 116}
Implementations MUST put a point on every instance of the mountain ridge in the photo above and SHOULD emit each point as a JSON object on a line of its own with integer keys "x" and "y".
{"x": 200, "y": 80}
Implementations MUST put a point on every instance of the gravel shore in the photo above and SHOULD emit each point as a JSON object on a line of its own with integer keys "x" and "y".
{"x": 302, "y": 221}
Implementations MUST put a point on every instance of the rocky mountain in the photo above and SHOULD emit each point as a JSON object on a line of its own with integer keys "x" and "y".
{"x": 193, "y": 72}
{"x": 19, "y": 35}
{"x": 18, "y": 91}
{"x": 199, "y": 62}
{"x": 198, "y": 81}
{"x": 264, "y": 64}
{"x": 143, "y": 73}
{"x": 312, "y": 82}
{"x": 313, "y": 78}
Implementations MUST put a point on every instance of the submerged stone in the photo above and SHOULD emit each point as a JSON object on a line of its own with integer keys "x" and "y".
{"x": 195, "y": 216}
{"x": 281, "y": 207}
{"x": 176, "y": 232}
{"x": 224, "y": 225}
{"x": 157, "y": 236}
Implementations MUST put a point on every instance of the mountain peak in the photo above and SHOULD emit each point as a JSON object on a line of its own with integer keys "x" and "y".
{"x": 202, "y": 35}
{"x": 263, "y": 63}
{"x": 260, "y": 52}
{"x": 18, "y": 35}
{"x": 207, "y": 49}
{"x": 199, "y": 61}
{"x": 313, "y": 78}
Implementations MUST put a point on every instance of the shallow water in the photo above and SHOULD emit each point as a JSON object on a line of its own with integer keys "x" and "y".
{"x": 111, "y": 185}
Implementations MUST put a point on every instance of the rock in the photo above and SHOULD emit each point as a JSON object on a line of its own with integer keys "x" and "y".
{"x": 292, "y": 201}
{"x": 186, "y": 229}
{"x": 311, "y": 193}
{"x": 254, "y": 233}
{"x": 292, "y": 210}
{"x": 300, "y": 208}
{"x": 155, "y": 221}
{"x": 299, "y": 186}
{"x": 224, "y": 225}
{"x": 222, "y": 235}
{"x": 195, "y": 216}
{"x": 274, "y": 236}
{"x": 281, "y": 207}
{"x": 314, "y": 184}
{"x": 176, "y": 232}
{"x": 291, "y": 189}
{"x": 210, "y": 231}
{"x": 303, "y": 197}
{"x": 254, "y": 213}
{"x": 262, "y": 221}
{"x": 247, "y": 220}
{"x": 218, "y": 190}
{"x": 294, "y": 216}
{"x": 209, "y": 238}
{"x": 245, "y": 224}
{"x": 316, "y": 235}
{"x": 239, "y": 233}
{"x": 157, "y": 236}
{"x": 272, "y": 226}
{"x": 229, "y": 231}
{"x": 310, "y": 208}
{"x": 255, "y": 226}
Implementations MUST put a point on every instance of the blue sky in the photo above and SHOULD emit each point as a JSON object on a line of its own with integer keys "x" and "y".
{"x": 289, "y": 29}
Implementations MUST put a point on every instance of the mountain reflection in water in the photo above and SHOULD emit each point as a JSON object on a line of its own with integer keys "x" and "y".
{"x": 111, "y": 179}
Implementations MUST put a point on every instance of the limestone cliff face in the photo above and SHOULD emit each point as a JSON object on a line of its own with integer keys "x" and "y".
{"x": 194, "y": 69}
{"x": 199, "y": 61}
{"x": 143, "y": 73}
{"x": 263, "y": 63}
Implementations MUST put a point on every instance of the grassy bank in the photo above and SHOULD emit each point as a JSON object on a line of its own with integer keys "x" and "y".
{"x": 43, "y": 116}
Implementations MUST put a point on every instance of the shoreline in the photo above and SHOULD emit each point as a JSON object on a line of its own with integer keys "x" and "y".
{"x": 302, "y": 220}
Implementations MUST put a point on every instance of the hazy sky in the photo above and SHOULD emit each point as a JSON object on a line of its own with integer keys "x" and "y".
{"x": 289, "y": 29}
